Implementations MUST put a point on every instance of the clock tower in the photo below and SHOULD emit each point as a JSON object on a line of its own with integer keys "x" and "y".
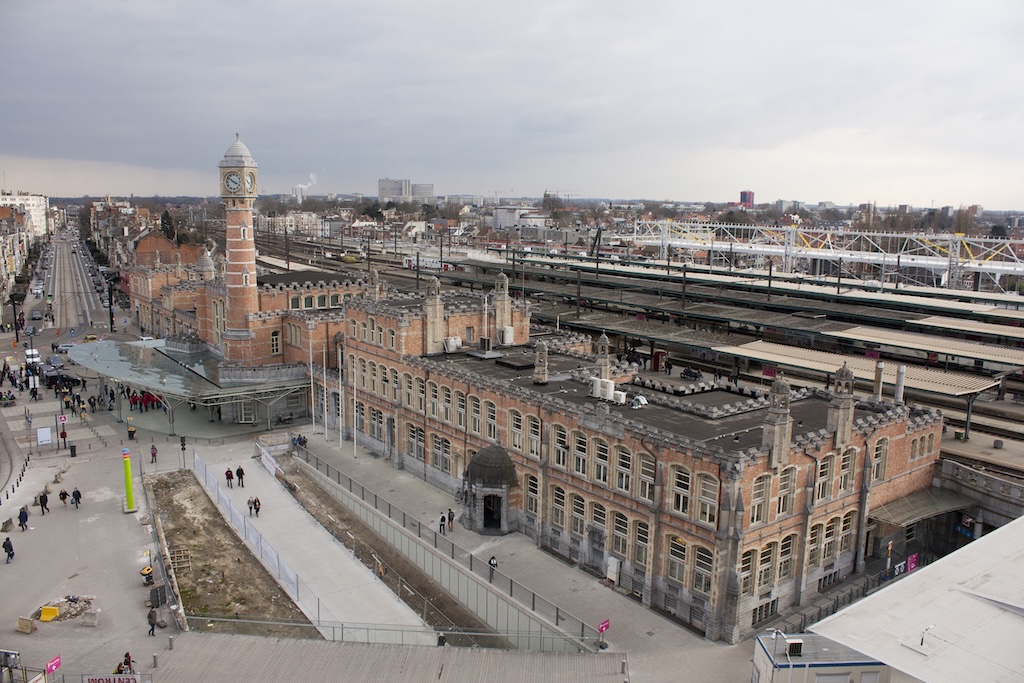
{"x": 238, "y": 189}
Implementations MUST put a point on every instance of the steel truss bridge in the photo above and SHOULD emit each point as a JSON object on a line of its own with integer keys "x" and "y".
{"x": 953, "y": 259}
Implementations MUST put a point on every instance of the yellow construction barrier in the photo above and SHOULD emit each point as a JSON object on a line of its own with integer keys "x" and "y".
{"x": 48, "y": 613}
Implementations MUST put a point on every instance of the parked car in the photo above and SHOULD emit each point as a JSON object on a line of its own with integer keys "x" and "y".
{"x": 65, "y": 347}
{"x": 37, "y": 315}
{"x": 55, "y": 361}
{"x": 53, "y": 376}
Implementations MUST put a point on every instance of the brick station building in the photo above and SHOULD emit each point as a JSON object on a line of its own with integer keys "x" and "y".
{"x": 720, "y": 506}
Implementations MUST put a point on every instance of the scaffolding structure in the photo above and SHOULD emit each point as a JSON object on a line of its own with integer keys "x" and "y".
{"x": 952, "y": 260}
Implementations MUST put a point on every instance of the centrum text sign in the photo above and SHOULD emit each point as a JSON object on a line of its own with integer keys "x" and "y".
{"x": 112, "y": 678}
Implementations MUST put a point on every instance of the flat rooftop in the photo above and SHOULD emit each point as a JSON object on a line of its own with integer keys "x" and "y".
{"x": 731, "y": 430}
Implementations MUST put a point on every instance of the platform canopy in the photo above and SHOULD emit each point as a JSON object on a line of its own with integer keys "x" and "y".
{"x": 939, "y": 382}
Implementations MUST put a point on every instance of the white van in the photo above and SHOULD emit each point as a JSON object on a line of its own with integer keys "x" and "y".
{"x": 32, "y": 357}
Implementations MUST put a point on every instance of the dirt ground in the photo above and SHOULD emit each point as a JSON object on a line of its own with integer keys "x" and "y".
{"x": 222, "y": 578}
{"x": 226, "y": 579}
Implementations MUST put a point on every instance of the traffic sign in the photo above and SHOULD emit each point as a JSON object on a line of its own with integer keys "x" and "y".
{"x": 62, "y": 418}
{"x": 53, "y": 665}
{"x": 604, "y": 626}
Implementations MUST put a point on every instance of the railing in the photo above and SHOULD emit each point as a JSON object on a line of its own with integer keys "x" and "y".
{"x": 581, "y": 635}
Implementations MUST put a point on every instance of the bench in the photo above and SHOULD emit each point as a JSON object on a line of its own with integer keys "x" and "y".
{"x": 8, "y": 403}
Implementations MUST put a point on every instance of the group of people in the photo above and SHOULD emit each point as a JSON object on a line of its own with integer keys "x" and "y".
{"x": 446, "y": 521}
{"x": 127, "y": 665}
{"x": 44, "y": 506}
{"x": 239, "y": 474}
{"x": 143, "y": 402}
{"x": 254, "y": 505}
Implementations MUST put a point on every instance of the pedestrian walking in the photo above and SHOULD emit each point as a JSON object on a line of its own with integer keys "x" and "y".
{"x": 492, "y": 564}
{"x": 240, "y": 476}
{"x": 43, "y": 500}
{"x": 63, "y": 495}
{"x": 9, "y": 549}
{"x": 250, "y": 505}
{"x": 230, "y": 477}
{"x": 256, "y": 505}
{"x": 76, "y": 497}
{"x": 442, "y": 524}
{"x": 151, "y": 618}
{"x": 451, "y": 519}
{"x": 152, "y": 453}
{"x": 129, "y": 663}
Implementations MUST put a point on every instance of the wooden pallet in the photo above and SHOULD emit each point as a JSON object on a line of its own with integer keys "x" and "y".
{"x": 181, "y": 558}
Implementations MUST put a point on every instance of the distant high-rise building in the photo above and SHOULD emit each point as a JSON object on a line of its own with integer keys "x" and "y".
{"x": 747, "y": 198}
{"x": 423, "y": 192}
{"x": 36, "y": 207}
{"x": 389, "y": 190}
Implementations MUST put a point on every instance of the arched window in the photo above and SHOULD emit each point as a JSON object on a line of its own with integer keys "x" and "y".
{"x": 747, "y": 572}
{"x": 421, "y": 395}
{"x": 787, "y": 491}
{"x": 275, "y": 342}
{"x": 307, "y": 301}
{"x": 786, "y": 556}
{"x": 623, "y": 469}
{"x": 931, "y": 443}
{"x": 913, "y": 449}
{"x": 446, "y": 404}
{"x": 515, "y": 430}
{"x": 676, "y": 569}
{"x": 579, "y": 453}
{"x": 648, "y": 470}
{"x": 824, "y": 487}
{"x": 362, "y": 331}
{"x": 321, "y": 301}
{"x": 395, "y": 387}
{"x": 846, "y": 538}
{"x": 432, "y": 398}
{"x": 460, "y": 409}
{"x": 492, "y": 420}
{"x": 474, "y": 414}
{"x": 828, "y": 547}
{"x": 703, "y": 567}
{"x": 766, "y": 567}
{"x": 681, "y": 491}
{"x": 409, "y": 393}
{"x": 391, "y": 339}
{"x": 846, "y": 465}
{"x": 814, "y": 546}
{"x": 620, "y": 533}
{"x": 362, "y": 373}
{"x": 759, "y": 499}
{"x": 558, "y": 507}
{"x": 533, "y": 436}
{"x": 579, "y": 515}
{"x": 373, "y": 377}
{"x": 641, "y": 539}
{"x": 601, "y": 458}
{"x": 532, "y": 494}
{"x": 416, "y": 440}
{"x": 352, "y": 325}
{"x": 293, "y": 303}
{"x": 335, "y": 300}
{"x": 560, "y": 445}
{"x": 878, "y": 461}
{"x": 385, "y": 383}
{"x": 441, "y": 452}
{"x": 707, "y": 511}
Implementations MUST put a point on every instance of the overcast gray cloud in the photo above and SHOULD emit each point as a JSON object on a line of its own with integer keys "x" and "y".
{"x": 894, "y": 102}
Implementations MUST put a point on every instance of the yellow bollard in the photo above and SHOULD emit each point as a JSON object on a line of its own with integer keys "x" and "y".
{"x": 129, "y": 494}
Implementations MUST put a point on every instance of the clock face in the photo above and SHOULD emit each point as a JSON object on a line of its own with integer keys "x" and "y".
{"x": 233, "y": 182}
{"x": 250, "y": 182}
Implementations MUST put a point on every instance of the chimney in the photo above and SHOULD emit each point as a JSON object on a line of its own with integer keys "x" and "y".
{"x": 901, "y": 380}
{"x": 879, "y": 369}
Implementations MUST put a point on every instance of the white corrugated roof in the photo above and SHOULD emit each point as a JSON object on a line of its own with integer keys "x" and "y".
{"x": 959, "y": 619}
{"x": 945, "y": 323}
{"x": 932, "y": 343}
{"x": 921, "y": 379}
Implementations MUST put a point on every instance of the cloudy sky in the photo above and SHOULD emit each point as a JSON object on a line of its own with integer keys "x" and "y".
{"x": 915, "y": 102}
